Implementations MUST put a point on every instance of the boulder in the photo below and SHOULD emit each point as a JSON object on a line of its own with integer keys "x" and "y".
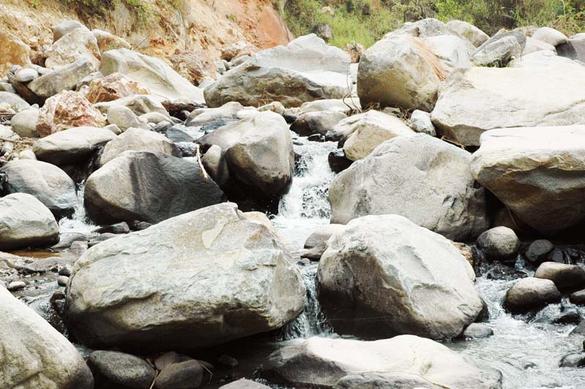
{"x": 26, "y": 222}
{"x": 384, "y": 275}
{"x": 500, "y": 49}
{"x": 318, "y": 122}
{"x": 64, "y": 27}
{"x": 108, "y": 41}
{"x": 64, "y": 78}
{"x": 136, "y": 139}
{"x": 346, "y": 105}
{"x": 477, "y": 331}
{"x": 468, "y": 31}
{"x": 520, "y": 96}
{"x": 116, "y": 368}
{"x": 113, "y": 87}
{"x": 12, "y": 102}
{"x": 573, "y": 49}
{"x": 34, "y": 354}
{"x": 425, "y": 363}
{"x": 212, "y": 118}
{"x": 241, "y": 282}
{"x": 423, "y": 28}
{"x": 368, "y": 122}
{"x": 538, "y": 250}
{"x": 139, "y": 104}
{"x": 419, "y": 177}
{"x": 24, "y": 123}
{"x": 578, "y": 297}
{"x": 258, "y": 152}
{"x": 540, "y": 59}
{"x": 152, "y": 73}
{"x": 420, "y": 121}
{"x": 535, "y": 45}
{"x": 148, "y": 187}
{"x": 550, "y": 35}
{"x": 186, "y": 374}
{"x": 573, "y": 360}
{"x": 124, "y": 118}
{"x": 499, "y": 244}
{"x": 71, "y": 146}
{"x": 400, "y": 71}
{"x": 79, "y": 43}
{"x": 66, "y": 110}
{"x": 536, "y": 173}
{"x": 567, "y": 278}
{"x": 316, "y": 243}
{"x": 368, "y": 131}
{"x": 453, "y": 52}
{"x": 306, "y": 69}
{"x": 13, "y": 51}
{"x": 531, "y": 293}
{"x": 49, "y": 184}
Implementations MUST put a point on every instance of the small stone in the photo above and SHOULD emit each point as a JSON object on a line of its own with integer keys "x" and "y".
{"x": 16, "y": 285}
{"x": 65, "y": 271}
{"x": 26, "y": 75}
{"x": 578, "y": 297}
{"x": 182, "y": 375}
{"x": 169, "y": 358}
{"x": 338, "y": 161}
{"x": 573, "y": 360}
{"x": 571, "y": 316}
{"x": 122, "y": 369}
{"x": 118, "y": 228}
{"x": 531, "y": 293}
{"x": 499, "y": 244}
{"x": 538, "y": 250}
{"x": 420, "y": 121}
{"x": 62, "y": 280}
{"x": 567, "y": 278}
{"x": 477, "y": 331}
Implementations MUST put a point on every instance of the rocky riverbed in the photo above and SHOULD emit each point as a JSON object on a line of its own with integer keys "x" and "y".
{"x": 409, "y": 220}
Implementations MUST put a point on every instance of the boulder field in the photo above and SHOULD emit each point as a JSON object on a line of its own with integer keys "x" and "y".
{"x": 154, "y": 227}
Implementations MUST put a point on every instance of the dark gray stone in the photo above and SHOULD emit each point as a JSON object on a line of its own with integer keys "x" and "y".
{"x": 121, "y": 369}
{"x": 181, "y": 375}
{"x": 538, "y": 250}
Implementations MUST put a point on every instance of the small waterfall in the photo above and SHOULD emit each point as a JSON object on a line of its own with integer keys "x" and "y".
{"x": 78, "y": 222}
{"x": 302, "y": 210}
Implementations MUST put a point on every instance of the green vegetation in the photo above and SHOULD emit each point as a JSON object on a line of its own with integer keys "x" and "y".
{"x": 365, "y": 21}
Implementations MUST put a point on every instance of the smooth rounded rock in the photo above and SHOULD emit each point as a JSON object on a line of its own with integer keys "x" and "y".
{"x": 567, "y": 278}
{"x": 122, "y": 369}
{"x": 499, "y": 244}
{"x": 531, "y": 293}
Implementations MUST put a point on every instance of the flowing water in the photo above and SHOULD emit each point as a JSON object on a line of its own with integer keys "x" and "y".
{"x": 526, "y": 350}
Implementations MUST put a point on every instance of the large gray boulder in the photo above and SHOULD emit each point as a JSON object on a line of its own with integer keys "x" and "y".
{"x": 136, "y": 139}
{"x": 537, "y": 173}
{"x": 71, "y": 146}
{"x": 306, "y": 69}
{"x": 258, "y": 152}
{"x": 481, "y": 99}
{"x": 65, "y": 78}
{"x": 369, "y": 133}
{"x": 35, "y": 355}
{"x": 401, "y": 362}
{"x": 149, "y": 187}
{"x": 500, "y": 49}
{"x": 400, "y": 71}
{"x": 240, "y": 279}
{"x": 13, "y": 102}
{"x": 153, "y": 73}
{"x": 26, "y": 222}
{"x": 468, "y": 31}
{"x": 419, "y": 177}
{"x": 49, "y": 184}
{"x": 573, "y": 49}
{"x": 384, "y": 275}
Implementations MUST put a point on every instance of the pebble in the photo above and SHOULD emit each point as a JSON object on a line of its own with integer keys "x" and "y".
{"x": 16, "y": 285}
{"x": 62, "y": 280}
{"x": 477, "y": 331}
{"x": 538, "y": 250}
{"x": 26, "y": 75}
{"x": 65, "y": 271}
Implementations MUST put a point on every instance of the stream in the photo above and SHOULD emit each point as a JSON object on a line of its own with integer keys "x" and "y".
{"x": 526, "y": 350}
